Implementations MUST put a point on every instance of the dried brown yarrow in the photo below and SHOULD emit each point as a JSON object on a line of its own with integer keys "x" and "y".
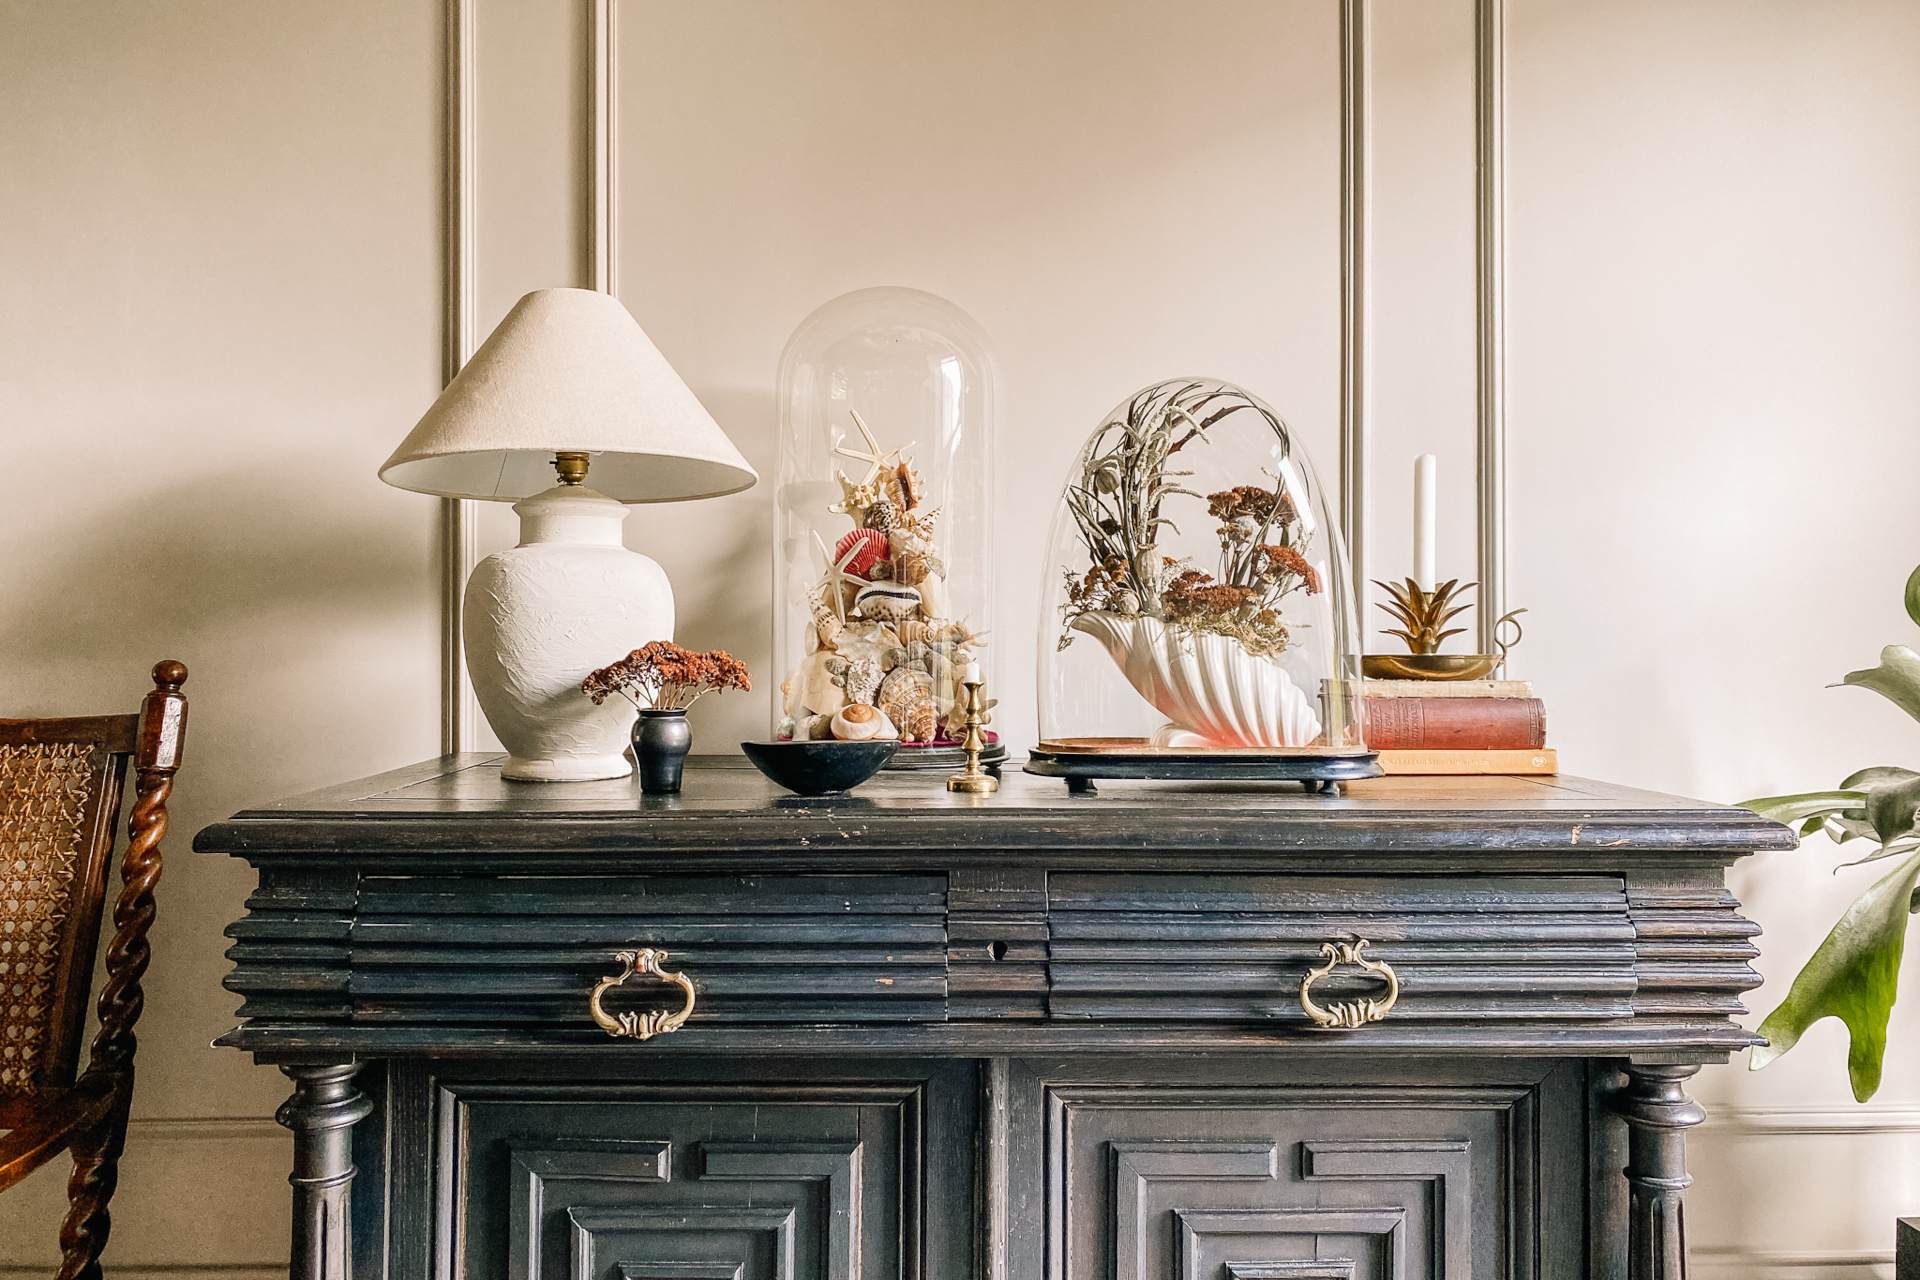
{"x": 661, "y": 676}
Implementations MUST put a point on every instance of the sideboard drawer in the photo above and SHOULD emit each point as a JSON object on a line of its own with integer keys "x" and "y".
{"x": 1234, "y": 947}
{"x": 758, "y": 949}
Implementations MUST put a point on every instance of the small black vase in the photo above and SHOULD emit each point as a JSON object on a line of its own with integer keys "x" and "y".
{"x": 661, "y": 740}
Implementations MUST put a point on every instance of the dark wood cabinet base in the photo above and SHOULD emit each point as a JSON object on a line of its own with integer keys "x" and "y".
{"x": 1013, "y": 1038}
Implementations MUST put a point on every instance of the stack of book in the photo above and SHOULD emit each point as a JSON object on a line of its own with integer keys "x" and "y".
{"x": 1457, "y": 726}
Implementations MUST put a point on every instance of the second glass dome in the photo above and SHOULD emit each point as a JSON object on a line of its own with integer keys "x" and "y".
{"x": 1199, "y": 598}
{"x": 883, "y": 564}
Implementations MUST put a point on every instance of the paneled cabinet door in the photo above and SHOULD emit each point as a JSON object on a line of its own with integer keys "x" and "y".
{"x": 1306, "y": 1181}
{"x": 805, "y": 1180}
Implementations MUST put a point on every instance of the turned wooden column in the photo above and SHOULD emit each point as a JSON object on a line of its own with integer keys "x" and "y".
{"x": 322, "y": 1112}
{"x": 1658, "y": 1113}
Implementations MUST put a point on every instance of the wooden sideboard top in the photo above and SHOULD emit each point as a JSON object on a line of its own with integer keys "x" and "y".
{"x": 727, "y": 810}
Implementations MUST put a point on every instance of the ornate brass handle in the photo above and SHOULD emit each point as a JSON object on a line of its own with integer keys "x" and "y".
{"x": 1349, "y": 1013}
{"x": 641, "y": 1026}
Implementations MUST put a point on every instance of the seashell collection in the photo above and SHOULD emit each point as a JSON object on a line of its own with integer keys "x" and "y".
{"x": 883, "y": 655}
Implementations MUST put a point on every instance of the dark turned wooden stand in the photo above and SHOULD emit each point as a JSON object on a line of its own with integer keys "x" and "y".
{"x": 1026, "y": 1036}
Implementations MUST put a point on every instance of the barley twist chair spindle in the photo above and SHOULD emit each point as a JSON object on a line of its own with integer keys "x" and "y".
{"x": 60, "y": 790}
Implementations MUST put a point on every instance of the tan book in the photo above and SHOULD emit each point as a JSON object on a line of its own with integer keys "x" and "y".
{"x": 1447, "y": 688}
{"x": 1403, "y": 763}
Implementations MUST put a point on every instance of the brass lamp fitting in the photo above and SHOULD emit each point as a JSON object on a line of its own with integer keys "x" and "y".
{"x": 571, "y": 466}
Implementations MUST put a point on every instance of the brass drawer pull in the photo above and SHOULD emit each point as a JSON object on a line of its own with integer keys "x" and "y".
{"x": 641, "y": 1026}
{"x": 1349, "y": 1013}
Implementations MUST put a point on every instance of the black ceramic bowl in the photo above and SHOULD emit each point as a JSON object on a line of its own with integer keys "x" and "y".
{"x": 820, "y": 768}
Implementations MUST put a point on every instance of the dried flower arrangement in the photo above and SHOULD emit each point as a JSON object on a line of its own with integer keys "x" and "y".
{"x": 1118, "y": 505}
{"x": 661, "y": 676}
{"x": 881, "y": 637}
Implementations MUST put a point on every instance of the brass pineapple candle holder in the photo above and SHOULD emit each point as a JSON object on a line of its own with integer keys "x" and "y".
{"x": 1423, "y": 617}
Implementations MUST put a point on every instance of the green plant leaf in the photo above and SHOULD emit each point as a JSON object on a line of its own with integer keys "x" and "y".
{"x": 1896, "y": 679}
{"x": 1854, "y": 977}
{"x": 1913, "y": 596}
{"x": 1810, "y": 804}
{"x": 1891, "y": 807}
{"x": 1878, "y": 774}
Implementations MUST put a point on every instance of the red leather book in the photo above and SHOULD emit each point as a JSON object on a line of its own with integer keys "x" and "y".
{"x": 1460, "y": 724}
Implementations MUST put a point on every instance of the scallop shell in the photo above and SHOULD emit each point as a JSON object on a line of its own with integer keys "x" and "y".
{"x": 871, "y": 547}
{"x": 862, "y": 680}
{"x": 857, "y": 723}
{"x": 887, "y": 600}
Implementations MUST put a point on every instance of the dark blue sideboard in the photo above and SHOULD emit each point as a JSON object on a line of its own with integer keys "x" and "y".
{"x": 1027, "y": 1036}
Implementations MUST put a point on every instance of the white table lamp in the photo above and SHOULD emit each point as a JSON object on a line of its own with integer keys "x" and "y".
{"x": 567, "y": 383}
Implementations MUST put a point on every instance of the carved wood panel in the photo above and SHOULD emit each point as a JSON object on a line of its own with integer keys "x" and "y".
{"x": 688, "y": 1183}
{"x": 1307, "y": 1181}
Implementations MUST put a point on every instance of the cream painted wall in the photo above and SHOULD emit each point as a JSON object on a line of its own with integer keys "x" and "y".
{"x": 220, "y": 273}
{"x": 223, "y": 222}
{"x": 1715, "y": 301}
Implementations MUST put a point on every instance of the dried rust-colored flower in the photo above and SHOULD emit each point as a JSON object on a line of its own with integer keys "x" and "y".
{"x": 1195, "y": 595}
{"x": 1271, "y": 563}
{"x": 662, "y": 676}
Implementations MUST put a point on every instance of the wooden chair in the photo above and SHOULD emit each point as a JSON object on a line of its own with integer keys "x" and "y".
{"x": 60, "y": 787}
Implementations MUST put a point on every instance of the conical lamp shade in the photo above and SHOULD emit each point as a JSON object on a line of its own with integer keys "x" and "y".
{"x": 568, "y": 370}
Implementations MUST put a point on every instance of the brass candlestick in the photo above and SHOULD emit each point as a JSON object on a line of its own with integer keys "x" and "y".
{"x": 975, "y": 780}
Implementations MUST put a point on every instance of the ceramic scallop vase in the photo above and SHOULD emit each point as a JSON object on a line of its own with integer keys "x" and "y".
{"x": 1212, "y": 691}
{"x": 541, "y": 616}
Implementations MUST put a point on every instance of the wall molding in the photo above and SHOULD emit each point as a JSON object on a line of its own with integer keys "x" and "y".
{"x": 1490, "y": 380}
{"x": 603, "y": 164}
{"x": 205, "y": 1129}
{"x": 1744, "y": 1262}
{"x": 1830, "y": 1121}
{"x": 458, "y": 516}
{"x": 1356, "y": 334}
{"x": 460, "y": 713}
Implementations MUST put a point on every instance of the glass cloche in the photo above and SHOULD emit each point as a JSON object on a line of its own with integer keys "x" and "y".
{"x": 1197, "y": 619}
{"x": 883, "y": 553}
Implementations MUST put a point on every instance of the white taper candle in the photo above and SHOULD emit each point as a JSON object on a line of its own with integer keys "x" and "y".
{"x": 1426, "y": 473}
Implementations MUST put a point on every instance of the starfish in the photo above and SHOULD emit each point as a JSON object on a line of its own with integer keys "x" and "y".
{"x": 854, "y": 499}
{"x": 875, "y": 458}
{"x": 837, "y": 574}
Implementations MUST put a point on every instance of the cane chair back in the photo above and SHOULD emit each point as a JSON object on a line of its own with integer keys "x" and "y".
{"x": 60, "y": 787}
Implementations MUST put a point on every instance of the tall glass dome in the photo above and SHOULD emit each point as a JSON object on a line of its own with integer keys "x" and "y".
{"x": 1199, "y": 601}
{"x": 883, "y": 556}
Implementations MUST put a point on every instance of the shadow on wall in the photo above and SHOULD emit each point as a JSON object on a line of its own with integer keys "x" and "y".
{"x": 719, "y": 556}
{"x": 244, "y": 574}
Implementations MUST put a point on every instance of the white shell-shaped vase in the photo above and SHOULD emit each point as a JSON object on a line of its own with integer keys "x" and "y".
{"x": 1214, "y": 691}
{"x": 544, "y": 615}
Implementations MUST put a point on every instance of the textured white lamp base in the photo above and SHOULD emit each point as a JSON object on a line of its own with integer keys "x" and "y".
{"x": 540, "y": 617}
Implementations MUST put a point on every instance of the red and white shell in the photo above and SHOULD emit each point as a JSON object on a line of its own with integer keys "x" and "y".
{"x": 872, "y": 549}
